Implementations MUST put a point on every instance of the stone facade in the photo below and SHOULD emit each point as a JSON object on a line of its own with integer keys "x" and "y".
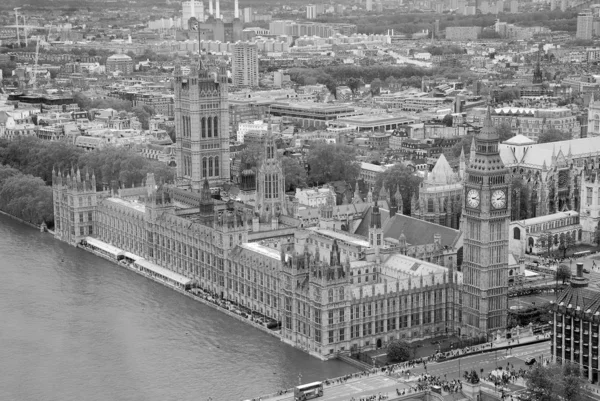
{"x": 201, "y": 127}
{"x": 486, "y": 218}
{"x": 440, "y": 195}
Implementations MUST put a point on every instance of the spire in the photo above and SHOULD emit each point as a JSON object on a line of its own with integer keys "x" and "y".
{"x": 473, "y": 147}
{"x": 370, "y": 195}
{"x": 488, "y": 132}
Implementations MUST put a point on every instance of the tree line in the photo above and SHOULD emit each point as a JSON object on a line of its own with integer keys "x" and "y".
{"x": 32, "y": 156}
{"x": 25, "y": 196}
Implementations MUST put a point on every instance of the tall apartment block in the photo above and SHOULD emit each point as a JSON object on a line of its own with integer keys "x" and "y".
{"x": 244, "y": 65}
{"x": 585, "y": 23}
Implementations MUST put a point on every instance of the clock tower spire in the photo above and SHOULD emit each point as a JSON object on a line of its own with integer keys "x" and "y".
{"x": 486, "y": 218}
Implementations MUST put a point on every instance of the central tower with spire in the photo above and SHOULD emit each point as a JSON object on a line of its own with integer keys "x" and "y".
{"x": 485, "y": 224}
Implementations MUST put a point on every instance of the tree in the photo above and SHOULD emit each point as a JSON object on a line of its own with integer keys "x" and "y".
{"x": 332, "y": 162}
{"x": 250, "y": 156}
{"x": 597, "y": 235}
{"x": 553, "y": 135}
{"x": 563, "y": 272}
{"x": 403, "y": 177}
{"x": 540, "y": 382}
{"x": 555, "y": 382}
{"x": 7, "y": 68}
{"x": 545, "y": 241}
{"x": 143, "y": 113}
{"x": 447, "y": 120}
{"x": 295, "y": 174}
{"x": 354, "y": 84}
{"x": 504, "y": 132}
{"x": 566, "y": 241}
{"x": 398, "y": 351}
{"x": 376, "y": 86}
{"x": 27, "y": 197}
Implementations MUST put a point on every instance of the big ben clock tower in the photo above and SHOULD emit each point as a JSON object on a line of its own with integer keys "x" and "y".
{"x": 486, "y": 218}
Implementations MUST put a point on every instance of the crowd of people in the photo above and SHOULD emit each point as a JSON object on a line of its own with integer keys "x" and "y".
{"x": 425, "y": 382}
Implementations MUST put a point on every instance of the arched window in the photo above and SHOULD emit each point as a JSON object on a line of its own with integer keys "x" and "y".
{"x": 204, "y": 167}
{"x": 430, "y": 205}
{"x": 210, "y": 167}
{"x": 516, "y": 233}
{"x": 216, "y": 127}
{"x": 203, "y": 127}
{"x": 209, "y": 126}
{"x": 216, "y": 165}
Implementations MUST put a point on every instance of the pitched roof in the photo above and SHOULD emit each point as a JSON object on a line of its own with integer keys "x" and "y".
{"x": 539, "y": 153}
{"x": 365, "y": 223}
{"x": 519, "y": 140}
{"x": 441, "y": 173}
{"x": 583, "y": 297}
{"x": 418, "y": 232}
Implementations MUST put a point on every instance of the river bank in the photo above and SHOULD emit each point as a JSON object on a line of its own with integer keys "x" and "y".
{"x": 20, "y": 220}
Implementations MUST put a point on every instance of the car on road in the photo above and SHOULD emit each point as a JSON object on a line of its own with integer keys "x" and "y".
{"x": 530, "y": 361}
{"x": 586, "y": 271}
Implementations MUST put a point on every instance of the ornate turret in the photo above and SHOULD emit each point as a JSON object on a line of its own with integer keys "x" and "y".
{"x": 207, "y": 204}
{"x": 399, "y": 201}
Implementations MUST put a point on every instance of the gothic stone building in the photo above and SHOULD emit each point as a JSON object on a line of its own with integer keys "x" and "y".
{"x": 550, "y": 173}
{"x": 440, "y": 195}
{"x": 341, "y": 293}
{"x": 333, "y": 291}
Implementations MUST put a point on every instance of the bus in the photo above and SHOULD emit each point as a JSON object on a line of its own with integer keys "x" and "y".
{"x": 306, "y": 391}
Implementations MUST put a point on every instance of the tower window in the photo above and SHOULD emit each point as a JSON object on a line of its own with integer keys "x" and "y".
{"x": 217, "y": 166}
{"x": 203, "y": 127}
{"x": 204, "y": 167}
{"x": 216, "y": 128}
{"x": 209, "y": 126}
{"x": 210, "y": 167}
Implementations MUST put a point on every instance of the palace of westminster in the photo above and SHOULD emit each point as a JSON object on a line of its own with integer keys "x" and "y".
{"x": 357, "y": 275}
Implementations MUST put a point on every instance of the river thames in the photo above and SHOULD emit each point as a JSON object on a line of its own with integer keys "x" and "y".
{"x": 76, "y": 327}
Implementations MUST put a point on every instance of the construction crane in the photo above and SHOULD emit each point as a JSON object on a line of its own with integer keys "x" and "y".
{"x": 17, "y": 19}
{"x": 35, "y": 67}
{"x": 25, "y": 29}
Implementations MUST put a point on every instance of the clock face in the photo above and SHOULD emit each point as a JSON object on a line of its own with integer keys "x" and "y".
{"x": 473, "y": 198}
{"x": 498, "y": 199}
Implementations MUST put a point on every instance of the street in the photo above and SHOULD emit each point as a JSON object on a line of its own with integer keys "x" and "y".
{"x": 387, "y": 385}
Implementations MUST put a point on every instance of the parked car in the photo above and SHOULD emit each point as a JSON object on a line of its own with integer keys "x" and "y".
{"x": 530, "y": 361}
{"x": 586, "y": 271}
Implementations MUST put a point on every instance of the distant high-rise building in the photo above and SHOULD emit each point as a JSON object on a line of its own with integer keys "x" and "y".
{"x": 311, "y": 11}
{"x": 191, "y": 9}
{"x": 514, "y": 6}
{"x": 248, "y": 14}
{"x": 564, "y": 4}
{"x": 585, "y": 22}
{"x": 244, "y": 65}
{"x": 552, "y": 5}
{"x": 369, "y": 5}
{"x": 499, "y": 6}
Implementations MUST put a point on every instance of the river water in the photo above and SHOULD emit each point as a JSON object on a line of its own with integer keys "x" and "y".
{"x": 76, "y": 327}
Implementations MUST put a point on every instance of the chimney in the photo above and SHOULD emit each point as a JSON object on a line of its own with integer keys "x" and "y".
{"x": 236, "y": 12}
{"x": 217, "y": 10}
{"x": 210, "y": 9}
{"x": 192, "y": 10}
{"x": 579, "y": 281}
